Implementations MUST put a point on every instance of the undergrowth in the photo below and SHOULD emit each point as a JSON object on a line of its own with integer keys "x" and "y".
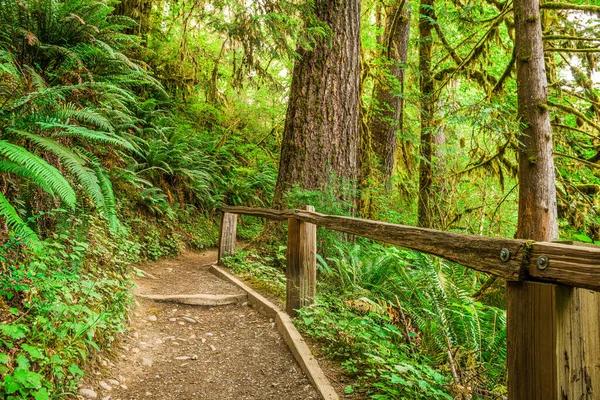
{"x": 61, "y": 309}
{"x": 259, "y": 269}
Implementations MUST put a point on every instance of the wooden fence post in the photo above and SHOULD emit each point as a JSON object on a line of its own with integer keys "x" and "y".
{"x": 227, "y": 235}
{"x": 553, "y": 341}
{"x": 301, "y": 270}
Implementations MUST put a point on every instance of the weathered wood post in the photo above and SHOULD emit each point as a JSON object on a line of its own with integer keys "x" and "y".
{"x": 554, "y": 340}
{"x": 301, "y": 268}
{"x": 227, "y": 235}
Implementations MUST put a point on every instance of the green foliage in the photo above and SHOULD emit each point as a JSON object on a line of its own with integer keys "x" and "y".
{"x": 432, "y": 302}
{"x": 65, "y": 87}
{"x": 86, "y": 125}
{"x": 259, "y": 269}
{"x": 372, "y": 348}
{"x": 65, "y": 306}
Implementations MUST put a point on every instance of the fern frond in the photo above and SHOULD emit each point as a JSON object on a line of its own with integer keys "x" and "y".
{"x": 87, "y": 134}
{"x": 74, "y": 163}
{"x": 14, "y": 221}
{"x": 23, "y": 172}
{"x": 110, "y": 203}
{"x": 87, "y": 116}
{"x": 42, "y": 172}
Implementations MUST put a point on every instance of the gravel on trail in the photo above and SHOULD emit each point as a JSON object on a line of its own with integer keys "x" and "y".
{"x": 181, "y": 352}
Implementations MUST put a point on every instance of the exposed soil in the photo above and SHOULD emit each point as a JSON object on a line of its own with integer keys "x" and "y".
{"x": 190, "y": 352}
{"x": 332, "y": 369}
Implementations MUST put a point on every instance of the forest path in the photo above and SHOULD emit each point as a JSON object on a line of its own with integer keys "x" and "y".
{"x": 176, "y": 351}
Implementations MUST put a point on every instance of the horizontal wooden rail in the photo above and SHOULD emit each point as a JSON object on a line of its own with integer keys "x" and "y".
{"x": 573, "y": 265}
{"x": 510, "y": 259}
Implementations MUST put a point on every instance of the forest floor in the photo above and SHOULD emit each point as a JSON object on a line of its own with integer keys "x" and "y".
{"x": 175, "y": 351}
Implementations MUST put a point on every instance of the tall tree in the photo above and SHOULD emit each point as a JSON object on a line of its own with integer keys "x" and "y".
{"x": 320, "y": 138}
{"x": 537, "y": 194}
{"x": 543, "y": 318}
{"x": 387, "y": 117}
{"x": 428, "y": 101}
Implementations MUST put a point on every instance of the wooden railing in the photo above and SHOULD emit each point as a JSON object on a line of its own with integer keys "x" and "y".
{"x": 567, "y": 362}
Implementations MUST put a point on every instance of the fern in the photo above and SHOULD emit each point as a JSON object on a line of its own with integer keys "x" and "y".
{"x": 110, "y": 204}
{"x": 42, "y": 173}
{"x": 23, "y": 172}
{"x": 25, "y": 233}
{"x": 87, "y": 116}
{"x": 87, "y": 134}
{"x": 74, "y": 163}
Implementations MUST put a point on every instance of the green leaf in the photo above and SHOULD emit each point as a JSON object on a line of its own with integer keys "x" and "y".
{"x": 12, "y": 331}
{"x": 29, "y": 379}
{"x": 41, "y": 394}
{"x": 75, "y": 370}
{"x": 10, "y": 385}
{"x": 22, "y": 362}
{"x": 34, "y": 352}
{"x": 349, "y": 389}
{"x": 14, "y": 221}
{"x": 44, "y": 172}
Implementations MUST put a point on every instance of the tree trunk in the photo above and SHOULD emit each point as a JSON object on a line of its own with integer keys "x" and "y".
{"x": 428, "y": 101}
{"x": 537, "y": 195}
{"x": 387, "y": 115}
{"x": 139, "y": 11}
{"x": 320, "y": 138}
{"x": 551, "y": 353}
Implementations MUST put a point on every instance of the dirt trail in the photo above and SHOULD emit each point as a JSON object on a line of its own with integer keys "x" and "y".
{"x": 191, "y": 352}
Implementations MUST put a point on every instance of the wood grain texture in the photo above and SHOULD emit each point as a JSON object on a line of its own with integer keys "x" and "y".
{"x": 531, "y": 344}
{"x": 292, "y": 270}
{"x": 307, "y": 262}
{"x": 301, "y": 269}
{"x": 577, "y": 266}
{"x": 227, "y": 235}
{"x": 477, "y": 252}
{"x": 268, "y": 213}
{"x": 578, "y": 343}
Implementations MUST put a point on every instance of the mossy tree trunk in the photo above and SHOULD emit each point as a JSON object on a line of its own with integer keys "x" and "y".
{"x": 320, "y": 138}
{"x": 387, "y": 114}
{"x": 139, "y": 11}
{"x": 428, "y": 102}
{"x": 552, "y": 339}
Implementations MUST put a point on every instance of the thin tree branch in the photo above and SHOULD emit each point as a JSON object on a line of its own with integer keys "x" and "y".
{"x": 571, "y": 128}
{"x": 569, "y": 6}
{"x": 569, "y": 37}
{"x": 575, "y": 112}
{"x": 572, "y": 50}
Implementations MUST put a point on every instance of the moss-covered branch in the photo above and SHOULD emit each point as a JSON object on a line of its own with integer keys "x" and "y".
{"x": 575, "y": 112}
{"x": 570, "y": 6}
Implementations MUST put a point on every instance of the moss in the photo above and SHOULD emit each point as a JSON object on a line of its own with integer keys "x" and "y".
{"x": 543, "y": 107}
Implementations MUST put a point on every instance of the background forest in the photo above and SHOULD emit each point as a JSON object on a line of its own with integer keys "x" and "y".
{"x": 126, "y": 124}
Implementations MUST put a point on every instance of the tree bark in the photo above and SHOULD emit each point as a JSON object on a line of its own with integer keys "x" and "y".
{"x": 428, "y": 101}
{"x": 139, "y": 11}
{"x": 320, "y": 138}
{"x": 387, "y": 115}
{"x": 537, "y": 194}
{"x": 548, "y": 341}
